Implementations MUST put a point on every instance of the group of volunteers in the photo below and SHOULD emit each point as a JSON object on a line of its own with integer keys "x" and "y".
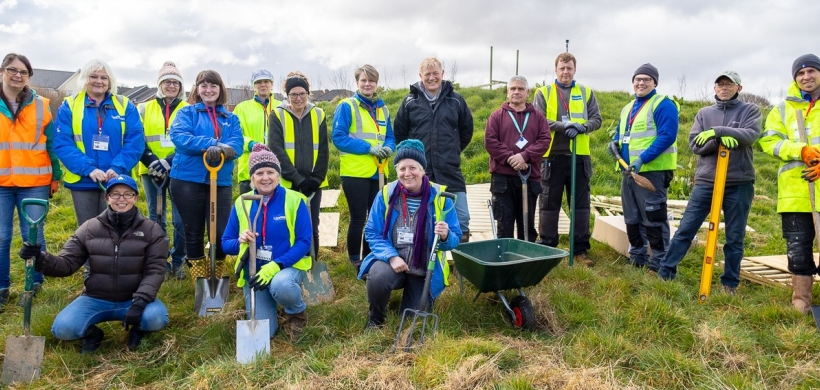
{"x": 281, "y": 152}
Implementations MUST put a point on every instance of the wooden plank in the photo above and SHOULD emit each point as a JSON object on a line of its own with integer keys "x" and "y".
{"x": 328, "y": 229}
{"x": 329, "y": 199}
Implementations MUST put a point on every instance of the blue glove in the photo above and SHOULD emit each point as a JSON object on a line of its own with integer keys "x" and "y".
{"x": 636, "y": 164}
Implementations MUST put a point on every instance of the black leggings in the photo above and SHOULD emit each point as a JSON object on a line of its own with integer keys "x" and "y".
{"x": 193, "y": 202}
{"x": 359, "y": 193}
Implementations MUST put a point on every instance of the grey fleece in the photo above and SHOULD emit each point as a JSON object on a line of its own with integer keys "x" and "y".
{"x": 560, "y": 142}
{"x": 297, "y": 171}
{"x": 730, "y": 118}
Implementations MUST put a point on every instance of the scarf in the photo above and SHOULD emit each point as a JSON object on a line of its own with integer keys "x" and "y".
{"x": 419, "y": 241}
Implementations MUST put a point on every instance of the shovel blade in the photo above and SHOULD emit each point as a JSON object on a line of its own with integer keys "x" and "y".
{"x": 24, "y": 358}
{"x": 317, "y": 287}
{"x": 815, "y": 312}
{"x": 252, "y": 340}
{"x": 209, "y": 301}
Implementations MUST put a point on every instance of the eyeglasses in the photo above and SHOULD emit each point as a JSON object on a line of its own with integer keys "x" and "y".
{"x": 645, "y": 80}
{"x": 725, "y": 85}
{"x": 13, "y": 71}
{"x": 300, "y": 95}
{"x": 170, "y": 83}
{"x": 117, "y": 195}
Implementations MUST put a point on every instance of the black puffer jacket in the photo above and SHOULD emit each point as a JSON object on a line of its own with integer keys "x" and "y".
{"x": 122, "y": 267}
{"x": 445, "y": 129}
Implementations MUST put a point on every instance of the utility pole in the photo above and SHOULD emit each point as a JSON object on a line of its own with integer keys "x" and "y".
{"x": 567, "y": 45}
{"x": 516, "y": 62}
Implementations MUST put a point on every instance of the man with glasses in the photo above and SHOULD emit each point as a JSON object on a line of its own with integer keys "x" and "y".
{"x": 781, "y": 140}
{"x": 646, "y": 138}
{"x": 126, "y": 253}
{"x": 735, "y": 125}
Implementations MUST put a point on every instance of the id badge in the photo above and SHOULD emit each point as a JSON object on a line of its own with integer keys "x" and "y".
{"x": 625, "y": 140}
{"x": 404, "y": 235}
{"x": 264, "y": 253}
{"x": 165, "y": 142}
{"x": 521, "y": 143}
{"x": 565, "y": 119}
{"x": 100, "y": 142}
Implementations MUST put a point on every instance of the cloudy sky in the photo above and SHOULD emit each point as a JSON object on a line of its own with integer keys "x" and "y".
{"x": 690, "y": 40}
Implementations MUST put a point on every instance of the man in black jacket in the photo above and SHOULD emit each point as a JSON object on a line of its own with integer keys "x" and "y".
{"x": 127, "y": 255}
{"x": 438, "y": 116}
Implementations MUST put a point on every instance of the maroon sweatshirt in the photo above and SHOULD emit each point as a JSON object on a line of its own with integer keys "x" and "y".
{"x": 501, "y": 136}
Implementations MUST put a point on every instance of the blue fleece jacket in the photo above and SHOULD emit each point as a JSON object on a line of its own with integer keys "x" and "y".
{"x": 276, "y": 232}
{"x": 666, "y": 122}
{"x": 193, "y": 132}
{"x": 123, "y": 151}
{"x": 341, "y": 129}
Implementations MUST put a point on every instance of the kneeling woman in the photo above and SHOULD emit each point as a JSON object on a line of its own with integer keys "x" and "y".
{"x": 282, "y": 239}
{"x": 400, "y": 231}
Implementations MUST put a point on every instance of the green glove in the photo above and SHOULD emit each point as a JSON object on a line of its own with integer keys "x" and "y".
{"x": 704, "y": 136}
{"x": 262, "y": 279}
{"x": 729, "y": 142}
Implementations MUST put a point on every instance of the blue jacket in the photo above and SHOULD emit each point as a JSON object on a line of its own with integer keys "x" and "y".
{"x": 123, "y": 152}
{"x": 277, "y": 235}
{"x": 382, "y": 249}
{"x": 192, "y": 133}
{"x": 341, "y": 129}
{"x": 666, "y": 121}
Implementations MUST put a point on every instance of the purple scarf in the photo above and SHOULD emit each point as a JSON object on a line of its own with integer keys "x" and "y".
{"x": 419, "y": 241}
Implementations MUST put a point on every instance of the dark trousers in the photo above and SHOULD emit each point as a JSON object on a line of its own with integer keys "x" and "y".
{"x": 315, "y": 202}
{"x": 556, "y": 178}
{"x": 193, "y": 201}
{"x": 381, "y": 280}
{"x": 359, "y": 193}
{"x": 508, "y": 206}
{"x": 798, "y": 230}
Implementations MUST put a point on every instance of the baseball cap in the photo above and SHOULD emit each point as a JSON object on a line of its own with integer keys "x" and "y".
{"x": 731, "y": 75}
{"x": 122, "y": 179}
{"x": 261, "y": 74}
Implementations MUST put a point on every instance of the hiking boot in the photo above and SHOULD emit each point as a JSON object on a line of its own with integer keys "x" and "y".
{"x": 296, "y": 323}
{"x": 135, "y": 338}
{"x": 801, "y": 297}
{"x": 175, "y": 272}
{"x": 729, "y": 290}
{"x": 4, "y": 299}
{"x": 34, "y": 290}
{"x": 373, "y": 325}
{"x": 583, "y": 258}
{"x": 92, "y": 339}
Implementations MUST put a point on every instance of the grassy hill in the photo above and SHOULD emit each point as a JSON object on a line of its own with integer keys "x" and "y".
{"x": 612, "y": 326}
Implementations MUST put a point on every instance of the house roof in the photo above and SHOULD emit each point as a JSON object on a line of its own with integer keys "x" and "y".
{"x": 53, "y": 79}
{"x": 138, "y": 94}
{"x": 328, "y": 96}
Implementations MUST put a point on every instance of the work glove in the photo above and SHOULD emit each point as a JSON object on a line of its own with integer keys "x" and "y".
{"x": 729, "y": 142}
{"x": 375, "y": 150}
{"x": 811, "y": 173}
{"x": 308, "y": 186}
{"x": 134, "y": 314}
{"x": 242, "y": 261}
{"x": 227, "y": 150}
{"x": 810, "y": 155}
{"x": 55, "y": 186}
{"x": 213, "y": 154}
{"x": 31, "y": 250}
{"x": 250, "y": 146}
{"x": 262, "y": 278}
{"x": 159, "y": 168}
{"x": 704, "y": 136}
{"x": 636, "y": 164}
{"x": 385, "y": 152}
{"x": 572, "y": 129}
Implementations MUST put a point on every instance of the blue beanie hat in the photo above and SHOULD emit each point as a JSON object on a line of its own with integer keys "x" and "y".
{"x": 411, "y": 148}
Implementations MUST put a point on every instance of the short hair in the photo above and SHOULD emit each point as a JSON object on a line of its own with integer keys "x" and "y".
{"x": 93, "y": 66}
{"x": 428, "y": 62}
{"x": 296, "y": 74}
{"x": 212, "y": 77}
{"x": 14, "y": 56}
{"x": 565, "y": 57}
{"x": 522, "y": 79}
{"x": 368, "y": 70}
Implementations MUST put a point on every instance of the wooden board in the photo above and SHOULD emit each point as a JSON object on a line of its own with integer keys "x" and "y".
{"x": 328, "y": 229}
{"x": 768, "y": 270}
{"x": 477, "y": 197}
{"x": 329, "y": 198}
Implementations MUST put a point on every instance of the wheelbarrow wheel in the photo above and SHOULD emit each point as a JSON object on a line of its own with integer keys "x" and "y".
{"x": 523, "y": 313}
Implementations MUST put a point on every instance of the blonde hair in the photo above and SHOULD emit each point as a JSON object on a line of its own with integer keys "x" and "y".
{"x": 430, "y": 62}
{"x": 369, "y": 70}
{"x": 93, "y": 66}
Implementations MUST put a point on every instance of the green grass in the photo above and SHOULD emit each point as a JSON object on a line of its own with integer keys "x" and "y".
{"x": 612, "y": 326}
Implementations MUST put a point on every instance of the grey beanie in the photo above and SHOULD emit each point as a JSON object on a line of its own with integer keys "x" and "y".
{"x": 649, "y": 70}
{"x": 806, "y": 60}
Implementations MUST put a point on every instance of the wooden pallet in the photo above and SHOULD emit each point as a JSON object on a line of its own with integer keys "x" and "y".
{"x": 767, "y": 270}
{"x": 477, "y": 197}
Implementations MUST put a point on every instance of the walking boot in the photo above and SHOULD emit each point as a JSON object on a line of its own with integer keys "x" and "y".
{"x": 801, "y": 297}
{"x": 92, "y": 339}
{"x": 357, "y": 262}
{"x": 465, "y": 237}
{"x": 584, "y": 259}
{"x": 4, "y": 299}
{"x": 296, "y": 323}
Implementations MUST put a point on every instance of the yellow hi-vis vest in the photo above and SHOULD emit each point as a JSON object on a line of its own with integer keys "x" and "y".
{"x": 363, "y": 165}
{"x": 153, "y": 121}
{"x": 644, "y": 132}
{"x": 317, "y": 116}
{"x": 579, "y": 96}
{"x": 77, "y": 104}
{"x": 438, "y": 206}
{"x": 292, "y": 200}
{"x": 253, "y": 118}
{"x": 781, "y": 140}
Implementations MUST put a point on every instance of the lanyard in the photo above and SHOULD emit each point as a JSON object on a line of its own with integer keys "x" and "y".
{"x": 212, "y": 116}
{"x": 264, "y": 207}
{"x": 633, "y": 114}
{"x": 520, "y": 129}
{"x": 810, "y": 107}
{"x": 561, "y": 96}
{"x": 167, "y": 115}
{"x": 100, "y": 117}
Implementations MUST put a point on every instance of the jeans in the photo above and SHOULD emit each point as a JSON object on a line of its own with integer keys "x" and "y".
{"x": 359, "y": 193}
{"x": 381, "y": 280}
{"x": 646, "y": 210}
{"x": 284, "y": 289}
{"x": 508, "y": 206}
{"x": 178, "y": 250}
{"x": 72, "y": 322}
{"x": 737, "y": 201}
{"x": 556, "y": 180}
{"x": 193, "y": 202}
{"x": 462, "y": 212}
{"x": 11, "y": 198}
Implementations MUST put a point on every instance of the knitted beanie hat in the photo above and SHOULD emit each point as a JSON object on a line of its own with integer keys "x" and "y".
{"x": 411, "y": 148}
{"x": 649, "y": 70}
{"x": 262, "y": 157}
{"x": 806, "y": 60}
{"x": 169, "y": 71}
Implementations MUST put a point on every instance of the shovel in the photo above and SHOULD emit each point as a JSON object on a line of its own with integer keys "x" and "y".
{"x": 211, "y": 293}
{"x": 24, "y": 354}
{"x": 252, "y": 336}
{"x": 639, "y": 180}
{"x": 380, "y": 164}
{"x": 525, "y": 201}
{"x": 317, "y": 286}
{"x": 421, "y": 314}
{"x": 159, "y": 186}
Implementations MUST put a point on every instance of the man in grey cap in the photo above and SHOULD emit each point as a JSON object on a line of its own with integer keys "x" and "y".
{"x": 781, "y": 140}
{"x": 646, "y": 138}
{"x": 253, "y": 117}
{"x": 735, "y": 125}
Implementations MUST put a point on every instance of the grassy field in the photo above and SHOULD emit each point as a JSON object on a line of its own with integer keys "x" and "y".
{"x": 612, "y": 326}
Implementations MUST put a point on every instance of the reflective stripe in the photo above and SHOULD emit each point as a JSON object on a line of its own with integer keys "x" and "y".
{"x": 26, "y": 146}
{"x": 153, "y": 138}
{"x": 78, "y": 138}
{"x": 291, "y": 145}
{"x": 814, "y": 141}
{"x": 5, "y": 171}
{"x": 585, "y": 114}
{"x": 782, "y": 108}
{"x": 25, "y": 171}
{"x": 636, "y": 153}
{"x": 776, "y": 151}
{"x": 4, "y": 146}
{"x": 791, "y": 165}
{"x": 38, "y": 121}
{"x": 770, "y": 133}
